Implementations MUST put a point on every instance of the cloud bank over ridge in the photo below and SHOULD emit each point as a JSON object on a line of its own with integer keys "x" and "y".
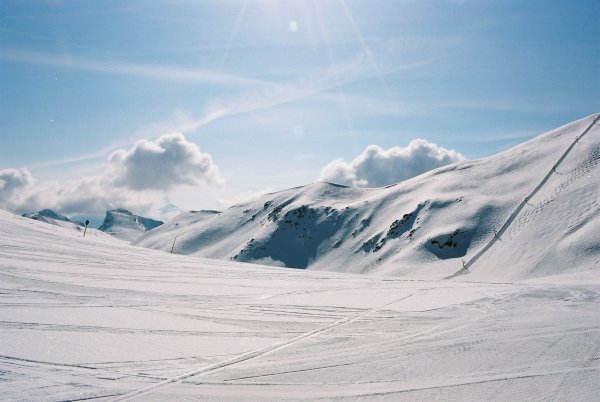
{"x": 378, "y": 167}
{"x": 137, "y": 179}
{"x": 12, "y": 180}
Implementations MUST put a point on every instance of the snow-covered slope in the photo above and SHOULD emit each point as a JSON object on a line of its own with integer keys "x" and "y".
{"x": 126, "y": 226}
{"x": 49, "y": 223}
{"x": 97, "y": 319}
{"x": 51, "y": 217}
{"x": 182, "y": 225}
{"x": 426, "y": 226}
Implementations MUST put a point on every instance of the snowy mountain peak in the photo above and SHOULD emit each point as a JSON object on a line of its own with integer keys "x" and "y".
{"x": 122, "y": 211}
{"x": 125, "y": 225}
{"x": 53, "y": 218}
{"x": 48, "y": 213}
{"x": 540, "y": 197}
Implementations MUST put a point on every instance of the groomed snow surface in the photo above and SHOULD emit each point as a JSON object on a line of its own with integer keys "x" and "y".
{"x": 97, "y": 318}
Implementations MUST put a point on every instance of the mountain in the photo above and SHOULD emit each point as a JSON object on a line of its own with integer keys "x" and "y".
{"x": 527, "y": 212}
{"x": 74, "y": 228}
{"x": 51, "y": 217}
{"x": 183, "y": 225}
{"x": 169, "y": 211}
{"x": 95, "y": 318}
{"x": 126, "y": 226}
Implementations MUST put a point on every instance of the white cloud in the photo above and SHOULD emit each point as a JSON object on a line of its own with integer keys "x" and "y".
{"x": 251, "y": 96}
{"x": 91, "y": 195}
{"x": 377, "y": 167}
{"x": 164, "y": 164}
{"x": 13, "y": 180}
{"x": 153, "y": 71}
{"x": 94, "y": 195}
{"x": 137, "y": 179}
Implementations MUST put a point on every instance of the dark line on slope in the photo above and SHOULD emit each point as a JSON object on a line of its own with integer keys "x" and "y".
{"x": 522, "y": 204}
{"x": 20, "y": 359}
{"x": 483, "y": 381}
{"x": 256, "y": 353}
{"x": 296, "y": 371}
{"x": 90, "y": 398}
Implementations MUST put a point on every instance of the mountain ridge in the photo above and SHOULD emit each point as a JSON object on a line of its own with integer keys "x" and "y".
{"x": 125, "y": 225}
{"x": 422, "y": 227}
{"x": 53, "y": 218}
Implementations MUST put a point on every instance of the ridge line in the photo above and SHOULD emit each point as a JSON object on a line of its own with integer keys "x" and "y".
{"x": 522, "y": 204}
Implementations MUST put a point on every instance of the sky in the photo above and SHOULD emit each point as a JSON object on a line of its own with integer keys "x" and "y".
{"x": 202, "y": 104}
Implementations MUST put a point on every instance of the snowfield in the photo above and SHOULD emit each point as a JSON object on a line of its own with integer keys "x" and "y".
{"x": 96, "y": 318}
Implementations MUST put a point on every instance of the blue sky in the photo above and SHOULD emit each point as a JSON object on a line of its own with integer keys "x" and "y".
{"x": 274, "y": 91}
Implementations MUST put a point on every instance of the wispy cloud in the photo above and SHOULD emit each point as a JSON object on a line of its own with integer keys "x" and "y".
{"x": 99, "y": 154}
{"x": 320, "y": 81}
{"x": 522, "y": 105}
{"x": 163, "y": 72}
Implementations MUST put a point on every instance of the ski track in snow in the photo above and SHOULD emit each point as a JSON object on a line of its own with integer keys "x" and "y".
{"x": 85, "y": 319}
{"x": 255, "y": 353}
{"x": 95, "y": 318}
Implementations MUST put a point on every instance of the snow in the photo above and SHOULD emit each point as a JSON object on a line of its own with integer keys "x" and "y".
{"x": 427, "y": 226}
{"x": 126, "y": 226}
{"x": 95, "y": 317}
{"x": 52, "y": 218}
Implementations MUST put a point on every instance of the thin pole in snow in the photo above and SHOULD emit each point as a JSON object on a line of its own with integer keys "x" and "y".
{"x": 173, "y": 246}
{"x": 87, "y": 222}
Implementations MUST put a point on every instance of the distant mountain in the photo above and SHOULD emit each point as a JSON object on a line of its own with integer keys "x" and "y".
{"x": 126, "y": 226}
{"x": 95, "y": 220}
{"x": 169, "y": 211}
{"x": 530, "y": 211}
{"x": 182, "y": 225}
{"x": 53, "y": 218}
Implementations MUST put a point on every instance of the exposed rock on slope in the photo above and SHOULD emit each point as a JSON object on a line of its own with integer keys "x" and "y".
{"x": 425, "y": 226}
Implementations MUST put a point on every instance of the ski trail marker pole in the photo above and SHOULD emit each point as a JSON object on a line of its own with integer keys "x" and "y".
{"x": 173, "y": 246}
